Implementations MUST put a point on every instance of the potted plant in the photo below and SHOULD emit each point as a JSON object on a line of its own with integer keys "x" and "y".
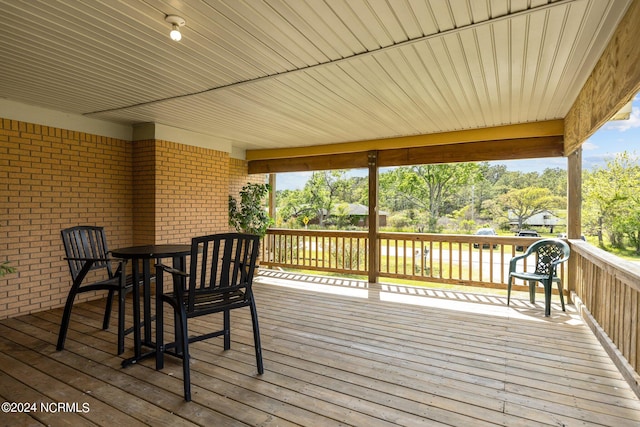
{"x": 249, "y": 215}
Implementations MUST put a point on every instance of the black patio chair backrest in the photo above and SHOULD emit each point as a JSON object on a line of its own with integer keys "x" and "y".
{"x": 224, "y": 263}
{"x": 86, "y": 242}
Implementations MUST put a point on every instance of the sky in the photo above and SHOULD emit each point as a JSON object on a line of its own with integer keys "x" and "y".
{"x": 612, "y": 138}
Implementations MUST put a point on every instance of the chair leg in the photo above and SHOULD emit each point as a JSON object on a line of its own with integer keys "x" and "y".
{"x": 122, "y": 294}
{"x": 159, "y": 331}
{"x": 509, "y": 289}
{"x": 532, "y": 291}
{"x": 107, "y": 310}
{"x": 64, "y": 325}
{"x": 256, "y": 338}
{"x": 186, "y": 372}
{"x": 561, "y": 295}
{"x": 178, "y": 331}
{"x": 227, "y": 329}
{"x": 547, "y": 298}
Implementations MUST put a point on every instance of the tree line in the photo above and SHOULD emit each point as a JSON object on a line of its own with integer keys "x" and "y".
{"x": 461, "y": 197}
{"x": 611, "y": 202}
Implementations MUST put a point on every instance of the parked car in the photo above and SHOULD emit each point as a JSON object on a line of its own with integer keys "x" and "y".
{"x": 485, "y": 232}
{"x": 525, "y": 233}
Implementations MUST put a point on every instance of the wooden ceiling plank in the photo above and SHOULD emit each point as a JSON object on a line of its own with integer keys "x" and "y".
{"x": 567, "y": 31}
{"x": 424, "y": 15}
{"x": 614, "y": 82}
{"x": 301, "y": 16}
{"x": 351, "y": 28}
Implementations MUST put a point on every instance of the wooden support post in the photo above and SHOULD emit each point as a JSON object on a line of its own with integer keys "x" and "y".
{"x": 374, "y": 261}
{"x": 272, "y": 196}
{"x": 574, "y": 211}
{"x": 574, "y": 195}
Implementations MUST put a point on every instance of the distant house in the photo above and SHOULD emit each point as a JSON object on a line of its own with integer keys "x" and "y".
{"x": 543, "y": 219}
{"x": 358, "y": 214}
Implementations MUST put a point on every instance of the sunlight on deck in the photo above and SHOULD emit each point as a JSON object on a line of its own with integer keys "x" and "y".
{"x": 469, "y": 302}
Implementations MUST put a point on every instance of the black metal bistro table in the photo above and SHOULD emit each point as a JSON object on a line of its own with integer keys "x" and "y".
{"x": 145, "y": 254}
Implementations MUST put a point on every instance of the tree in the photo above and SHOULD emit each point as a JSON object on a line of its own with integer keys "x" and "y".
{"x": 527, "y": 202}
{"x": 322, "y": 190}
{"x": 427, "y": 186}
{"x": 612, "y": 201}
{"x": 485, "y": 190}
{"x": 355, "y": 189}
{"x": 555, "y": 179}
{"x": 516, "y": 180}
{"x": 291, "y": 206}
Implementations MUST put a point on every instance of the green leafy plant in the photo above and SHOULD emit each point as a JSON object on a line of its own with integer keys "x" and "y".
{"x": 249, "y": 215}
{"x": 5, "y": 268}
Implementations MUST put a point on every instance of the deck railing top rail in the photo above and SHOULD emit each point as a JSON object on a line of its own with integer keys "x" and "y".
{"x": 627, "y": 272}
{"x": 444, "y": 258}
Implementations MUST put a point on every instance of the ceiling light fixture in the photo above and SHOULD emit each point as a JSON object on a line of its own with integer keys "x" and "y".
{"x": 176, "y": 22}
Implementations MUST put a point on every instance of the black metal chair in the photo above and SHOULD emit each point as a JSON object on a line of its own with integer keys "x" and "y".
{"x": 86, "y": 252}
{"x": 219, "y": 280}
{"x": 549, "y": 253}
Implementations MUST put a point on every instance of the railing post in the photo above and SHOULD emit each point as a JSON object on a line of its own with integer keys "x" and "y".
{"x": 374, "y": 260}
{"x": 267, "y": 247}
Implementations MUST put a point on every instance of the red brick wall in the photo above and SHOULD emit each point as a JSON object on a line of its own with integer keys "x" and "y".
{"x": 141, "y": 192}
{"x": 192, "y": 185}
{"x": 51, "y": 179}
{"x": 144, "y": 189}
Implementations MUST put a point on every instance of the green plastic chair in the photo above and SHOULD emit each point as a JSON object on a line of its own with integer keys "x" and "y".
{"x": 549, "y": 253}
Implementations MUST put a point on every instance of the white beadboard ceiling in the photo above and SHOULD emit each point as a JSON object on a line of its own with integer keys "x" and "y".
{"x": 289, "y": 73}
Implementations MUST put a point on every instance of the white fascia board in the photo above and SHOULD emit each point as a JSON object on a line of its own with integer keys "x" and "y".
{"x": 144, "y": 131}
{"x": 13, "y": 110}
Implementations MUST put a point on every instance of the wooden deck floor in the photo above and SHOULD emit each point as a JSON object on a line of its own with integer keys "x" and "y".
{"x": 336, "y": 353}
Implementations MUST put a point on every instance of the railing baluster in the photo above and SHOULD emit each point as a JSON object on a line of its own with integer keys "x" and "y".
{"x": 459, "y": 261}
{"x": 480, "y": 253}
{"x": 334, "y": 251}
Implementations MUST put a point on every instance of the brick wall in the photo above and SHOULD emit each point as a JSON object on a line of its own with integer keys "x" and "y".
{"x": 238, "y": 177}
{"x": 144, "y": 189}
{"x": 192, "y": 186}
{"x": 142, "y": 192}
{"x": 51, "y": 179}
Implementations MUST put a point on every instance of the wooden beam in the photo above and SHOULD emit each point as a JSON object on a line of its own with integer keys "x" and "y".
{"x": 312, "y": 163}
{"x": 508, "y": 149}
{"x": 614, "y": 81}
{"x": 523, "y": 130}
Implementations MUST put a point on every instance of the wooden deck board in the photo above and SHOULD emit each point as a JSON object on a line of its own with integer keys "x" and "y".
{"x": 421, "y": 358}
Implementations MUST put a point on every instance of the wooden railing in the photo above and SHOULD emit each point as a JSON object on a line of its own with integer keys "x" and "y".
{"x": 331, "y": 251}
{"x": 442, "y": 258}
{"x": 607, "y": 293}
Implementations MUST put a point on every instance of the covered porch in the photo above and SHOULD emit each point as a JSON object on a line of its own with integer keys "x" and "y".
{"x": 337, "y": 352}
{"x": 151, "y": 150}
